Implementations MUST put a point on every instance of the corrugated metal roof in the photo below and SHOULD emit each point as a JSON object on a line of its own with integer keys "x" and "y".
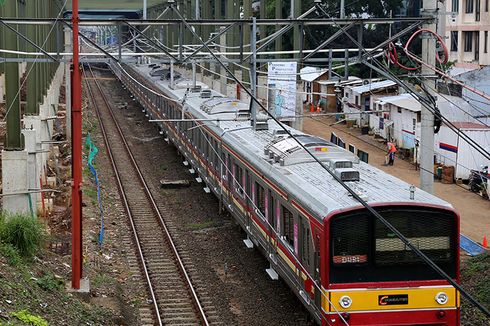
{"x": 470, "y": 125}
{"x": 310, "y": 74}
{"x": 373, "y": 86}
{"x": 405, "y": 101}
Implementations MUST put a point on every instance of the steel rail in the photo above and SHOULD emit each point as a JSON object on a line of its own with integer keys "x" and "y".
{"x": 178, "y": 259}
{"x": 125, "y": 203}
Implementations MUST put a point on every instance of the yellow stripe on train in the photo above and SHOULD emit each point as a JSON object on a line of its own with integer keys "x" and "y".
{"x": 388, "y": 299}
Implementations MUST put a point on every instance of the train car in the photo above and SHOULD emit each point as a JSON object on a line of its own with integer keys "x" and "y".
{"x": 344, "y": 265}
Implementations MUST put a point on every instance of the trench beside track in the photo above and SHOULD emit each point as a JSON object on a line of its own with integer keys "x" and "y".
{"x": 172, "y": 293}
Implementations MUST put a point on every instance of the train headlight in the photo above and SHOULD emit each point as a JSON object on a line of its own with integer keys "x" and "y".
{"x": 442, "y": 298}
{"x": 345, "y": 302}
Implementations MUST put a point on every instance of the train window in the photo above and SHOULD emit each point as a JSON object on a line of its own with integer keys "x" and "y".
{"x": 272, "y": 220}
{"x": 432, "y": 237}
{"x": 288, "y": 226}
{"x": 238, "y": 181}
{"x": 216, "y": 154}
{"x": 223, "y": 166}
{"x": 260, "y": 199}
{"x": 350, "y": 240}
{"x": 363, "y": 249}
{"x": 305, "y": 241}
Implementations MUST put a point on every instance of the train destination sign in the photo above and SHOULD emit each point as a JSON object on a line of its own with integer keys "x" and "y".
{"x": 352, "y": 259}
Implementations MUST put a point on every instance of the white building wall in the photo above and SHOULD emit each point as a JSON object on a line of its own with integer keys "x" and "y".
{"x": 466, "y": 158}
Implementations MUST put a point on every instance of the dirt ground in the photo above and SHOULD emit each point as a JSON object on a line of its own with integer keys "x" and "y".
{"x": 474, "y": 210}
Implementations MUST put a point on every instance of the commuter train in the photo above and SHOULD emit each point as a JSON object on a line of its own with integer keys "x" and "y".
{"x": 344, "y": 265}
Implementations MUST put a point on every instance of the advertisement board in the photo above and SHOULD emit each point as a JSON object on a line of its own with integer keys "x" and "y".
{"x": 281, "y": 93}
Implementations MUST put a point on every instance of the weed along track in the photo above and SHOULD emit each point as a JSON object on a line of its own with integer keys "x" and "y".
{"x": 172, "y": 293}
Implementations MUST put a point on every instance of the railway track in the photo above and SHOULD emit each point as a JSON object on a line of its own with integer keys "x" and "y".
{"x": 173, "y": 296}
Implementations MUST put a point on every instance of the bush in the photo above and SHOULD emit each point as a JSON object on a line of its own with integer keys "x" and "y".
{"x": 23, "y": 232}
{"x": 11, "y": 254}
{"x": 28, "y": 318}
{"x": 49, "y": 282}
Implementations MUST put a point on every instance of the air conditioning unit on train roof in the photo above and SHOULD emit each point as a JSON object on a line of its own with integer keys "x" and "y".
{"x": 347, "y": 174}
{"x": 340, "y": 164}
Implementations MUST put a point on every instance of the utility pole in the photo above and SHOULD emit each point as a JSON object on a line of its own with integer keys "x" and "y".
{"x": 76, "y": 191}
{"x": 145, "y": 9}
{"x": 427, "y": 123}
{"x": 253, "y": 73}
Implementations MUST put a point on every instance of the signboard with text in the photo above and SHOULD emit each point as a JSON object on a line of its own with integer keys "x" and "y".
{"x": 281, "y": 93}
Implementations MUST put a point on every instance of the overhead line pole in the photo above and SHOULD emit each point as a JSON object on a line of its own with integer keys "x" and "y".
{"x": 427, "y": 123}
{"x": 76, "y": 191}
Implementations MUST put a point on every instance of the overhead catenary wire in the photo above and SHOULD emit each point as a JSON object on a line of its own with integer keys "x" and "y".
{"x": 238, "y": 183}
{"x": 344, "y": 185}
{"x": 35, "y": 60}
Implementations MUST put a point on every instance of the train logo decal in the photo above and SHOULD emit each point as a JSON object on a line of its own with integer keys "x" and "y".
{"x": 392, "y": 299}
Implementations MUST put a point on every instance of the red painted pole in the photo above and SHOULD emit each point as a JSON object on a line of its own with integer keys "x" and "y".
{"x": 76, "y": 192}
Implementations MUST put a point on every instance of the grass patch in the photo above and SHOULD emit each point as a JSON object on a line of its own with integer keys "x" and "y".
{"x": 201, "y": 226}
{"x": 101, "y": 279}
{"x": 475, "y": 275}
{"x": 23, "y": 232}
{"x": 50, "y": 283}
{"x": 90, "y": 192}
{"x": 11, "y": 254}
{"x": 29, "y": 319}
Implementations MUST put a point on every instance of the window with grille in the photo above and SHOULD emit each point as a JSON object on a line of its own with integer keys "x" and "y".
{"x": 454, "y": 41}
{"x": 288, "y": 226}
{"x": 363, "y": 249}
{"x": 469, "y": 7}
{"x": 260, "y": 198}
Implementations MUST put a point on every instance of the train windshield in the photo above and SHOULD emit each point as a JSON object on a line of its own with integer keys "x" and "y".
{"x": 363, "y": 249}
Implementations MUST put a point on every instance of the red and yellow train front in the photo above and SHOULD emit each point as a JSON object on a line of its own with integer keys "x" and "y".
{"x": 370, "y": 277}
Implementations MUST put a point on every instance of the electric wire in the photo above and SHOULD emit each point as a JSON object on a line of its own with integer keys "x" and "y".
{"x": 35, "y": 61}
{"x": 242, "y": 190}
{"x": 347, "y": 187}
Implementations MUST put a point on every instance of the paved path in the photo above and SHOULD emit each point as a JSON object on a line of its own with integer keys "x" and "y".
{"x": 474, "y": 210}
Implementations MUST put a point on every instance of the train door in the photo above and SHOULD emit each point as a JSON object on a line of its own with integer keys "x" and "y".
{"x": 316, "y": 267}
{"x": 249, "y": 205}
{"x": 271, "y": 224}
{"x": 306, "y": 244}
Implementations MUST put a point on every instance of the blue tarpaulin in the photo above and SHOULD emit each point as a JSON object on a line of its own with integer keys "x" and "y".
{"x": 93, "y": 150}
{"x": 471, "y": 247}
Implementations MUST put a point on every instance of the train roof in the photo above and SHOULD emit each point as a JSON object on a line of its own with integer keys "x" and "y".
{"x": 281, "y": 160}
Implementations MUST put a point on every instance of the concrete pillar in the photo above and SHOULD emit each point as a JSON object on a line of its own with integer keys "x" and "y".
{"x": 32, "y": 101}
{"x": 14, "y": 181}
{"x": 33, "y": 169}
{"x": 298, "y": 10}
{"x": 12, "y": 85}
{"x": 68, "y": 49}
{"x": 247, "y": 10}
{"x": 278, "y": 5}
{"x": 232, "y": 11}
{"x": 218, "y": 9}
{"x": 2, "y": 86}
{"x": 221, "y": 70}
